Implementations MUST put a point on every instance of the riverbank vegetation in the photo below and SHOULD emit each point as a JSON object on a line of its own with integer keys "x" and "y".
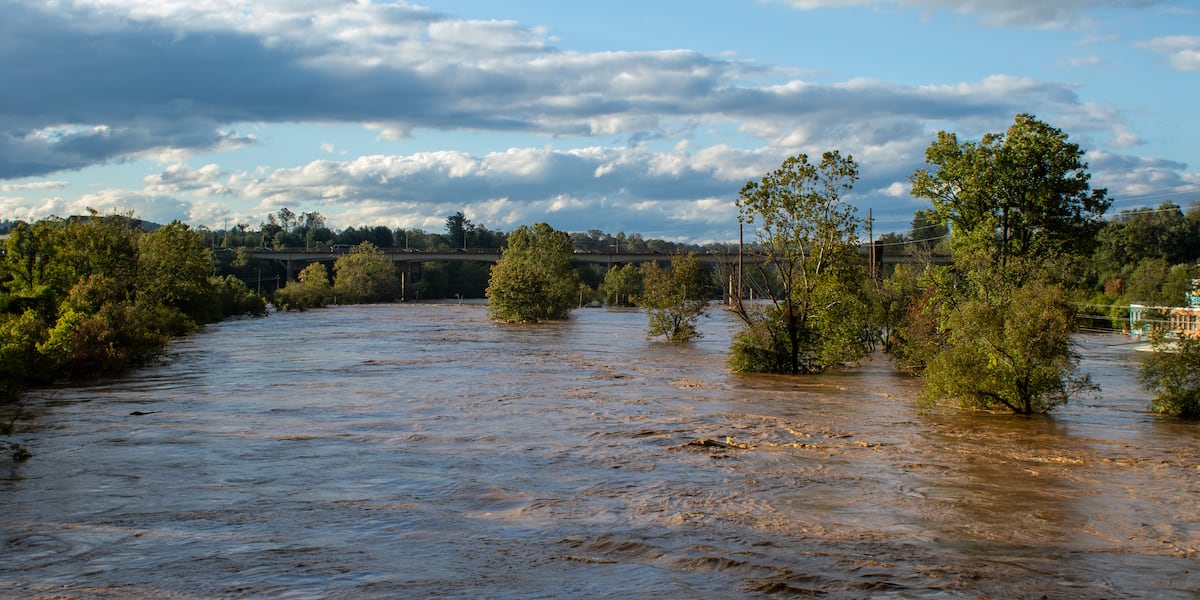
{"x": 95, "y": 295}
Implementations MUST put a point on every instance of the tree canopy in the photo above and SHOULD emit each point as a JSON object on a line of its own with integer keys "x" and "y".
{"x": 97, "y": 294}
{"x": 311, "y": 289}
{"x": 1018, "y": 197}
{"x": 533, "y": 280}
{"x": 811, "y": 270}
{"x": 365, "y": 275}
{"x": 994, "y": 333}
{"x": 674, "y": 299}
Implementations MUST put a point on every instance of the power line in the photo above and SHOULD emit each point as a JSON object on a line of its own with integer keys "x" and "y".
{"x": 910, "y": 242}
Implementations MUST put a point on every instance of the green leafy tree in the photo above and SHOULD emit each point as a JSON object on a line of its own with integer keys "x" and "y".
{"x": 810, "y": 271}
{"x": 32, "y": 278}
{"x": 174, "y": 268}
{"x": 96, "y": 294}
{"x": 310, "y": 290}
{"x": 533, "y": 280}
{"x": 1018, "y": 200}
{"x": 434, "y": 282}
{"x": 467, "y": 279}
{"x": 900, "y": 292}
{"x": 1022, "y": 214}
{"x": 1132, "y": 236}
{"x": 98, "y": 331}
{"x": 366, "y": 274}
{"x": 623, "y": 283}
{"x": 20, "y": 360}
{"x": 1172, "y": 373}
{"x": 45, "y": 260}
{"x": 674, "y": 299}
{"x": 1009, "y": 352}
{"x": 234, "y": 298}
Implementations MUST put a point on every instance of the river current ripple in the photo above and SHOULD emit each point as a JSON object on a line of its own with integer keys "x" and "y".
{"x": 414, "y": 451}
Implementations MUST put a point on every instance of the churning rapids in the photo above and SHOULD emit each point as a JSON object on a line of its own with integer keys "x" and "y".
{"x": 411, "y": 451}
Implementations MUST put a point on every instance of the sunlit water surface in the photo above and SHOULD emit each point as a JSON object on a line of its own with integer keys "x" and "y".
{"x": 410, "y": 451}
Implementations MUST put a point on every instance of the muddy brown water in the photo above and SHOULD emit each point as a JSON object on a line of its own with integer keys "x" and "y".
{"x": 414, "y": 451}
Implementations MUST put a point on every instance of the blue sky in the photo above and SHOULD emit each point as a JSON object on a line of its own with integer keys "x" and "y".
{"x": 627, "y": 116}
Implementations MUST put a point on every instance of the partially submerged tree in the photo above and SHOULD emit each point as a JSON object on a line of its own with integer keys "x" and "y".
{"x": 816, "y": 314}
{"x": 365, "y": 275}
{"x": 623, "y": 283}
{"x": 1020, "y": 211}
{"x": 310, "y": 290}
{"x": 533, "y": 280}
{"x": 674, "y": 299}
{"x": 1008, "y": 352}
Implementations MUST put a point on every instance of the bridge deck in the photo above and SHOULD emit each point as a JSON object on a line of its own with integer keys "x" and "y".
{"x": 492, "y": 255}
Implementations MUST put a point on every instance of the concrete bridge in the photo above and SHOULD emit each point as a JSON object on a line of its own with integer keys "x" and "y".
{"x": 400, "y": 255}
{"x": 297, "y": 257}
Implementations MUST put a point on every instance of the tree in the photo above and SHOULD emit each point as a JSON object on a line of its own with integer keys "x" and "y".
{"x": 1147, "y": 255}
{"x": 458, "y": 229}
{"x": 810, "y": 271}
{"x": 20, "y": 360}
{"x": 45, "y": 260}
{"x": 365, "y": 275}
{"x": 900, "y": 302}
{"x": 96, "y": 294}
{"x": 533, "y": 280}
{"x": 173, "y": 269}
{"x": 287, "y": 218}
{"x": 622, "y": 283}
{"x": 1018, "y": 199}
{"x": 1021, "y": 212}
{"x": 674, "y": 300}
{"x": 312, "y": 227}
{"x": 1008, "y": 353}
{"x": 1172, "y": 373}
{"x": 310, "y": 290}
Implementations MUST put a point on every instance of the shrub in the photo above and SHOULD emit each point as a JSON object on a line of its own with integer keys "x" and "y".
{"x": 1172, "y": 372}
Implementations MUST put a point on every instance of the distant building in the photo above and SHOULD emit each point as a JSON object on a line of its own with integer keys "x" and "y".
{"x": 1182, "y": 320}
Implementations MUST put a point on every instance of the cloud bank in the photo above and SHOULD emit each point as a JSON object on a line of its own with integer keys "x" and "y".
{"x": 635, "y": 140}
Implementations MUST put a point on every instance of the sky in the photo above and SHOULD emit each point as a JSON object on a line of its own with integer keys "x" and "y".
{"x": 644, "y": 117}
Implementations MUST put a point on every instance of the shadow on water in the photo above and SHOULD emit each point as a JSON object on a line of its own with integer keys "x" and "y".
{"x": 422, "y": 451}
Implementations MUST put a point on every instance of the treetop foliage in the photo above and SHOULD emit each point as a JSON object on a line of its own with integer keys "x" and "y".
{"x": 993, "y": 333}
{"x": 533, "y": 280}
{"x": 1022, "y": 195}
{"x": 810, "y": 272}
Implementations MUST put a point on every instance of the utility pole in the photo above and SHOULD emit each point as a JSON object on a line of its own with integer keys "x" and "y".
{"x": 871, "y": 240}
{"x": 739, "y": 265}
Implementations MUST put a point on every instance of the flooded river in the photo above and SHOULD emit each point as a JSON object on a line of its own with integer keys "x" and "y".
{"x": 415, "y": 451}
